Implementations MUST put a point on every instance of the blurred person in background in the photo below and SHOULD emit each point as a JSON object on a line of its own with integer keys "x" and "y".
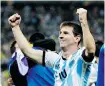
{"x": 98, "y": 47}
{"x": 32, "y": 76}
{"x": 100, "y": 77}
{"x": 15, "y": 76}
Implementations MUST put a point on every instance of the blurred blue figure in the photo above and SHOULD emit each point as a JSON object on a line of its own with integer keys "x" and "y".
{"x": 39, "y": 75}
{"x": 25, "y": 71}
{"x": 100, "y": 78}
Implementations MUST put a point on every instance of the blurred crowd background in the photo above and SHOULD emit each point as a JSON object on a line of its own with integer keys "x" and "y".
{"x": 45, "y": 17}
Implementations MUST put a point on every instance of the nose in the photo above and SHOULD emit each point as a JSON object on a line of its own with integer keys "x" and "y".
{"x": 61, "y": 36}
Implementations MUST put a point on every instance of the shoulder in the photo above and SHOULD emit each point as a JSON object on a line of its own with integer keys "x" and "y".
{"x": 51, "y": 54}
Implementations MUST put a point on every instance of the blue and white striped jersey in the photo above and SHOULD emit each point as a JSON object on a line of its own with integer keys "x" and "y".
{"x": 74, "y": 71}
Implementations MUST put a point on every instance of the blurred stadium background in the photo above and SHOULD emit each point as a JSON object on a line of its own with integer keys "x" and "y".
{"x": 45, "y": 17}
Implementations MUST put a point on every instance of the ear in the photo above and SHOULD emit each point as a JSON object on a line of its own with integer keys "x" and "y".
{"x": 77, "y": 38}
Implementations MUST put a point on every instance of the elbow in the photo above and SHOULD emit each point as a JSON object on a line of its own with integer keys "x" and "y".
{"x": 35, "y": 55}
{"x": 91, "y": 50}
{"x": 26, "y": 50}
{"x": 91, "y": 47}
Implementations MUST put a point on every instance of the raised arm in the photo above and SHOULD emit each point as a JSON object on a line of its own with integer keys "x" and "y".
{"x": 88, "y": 39}
{"x": 22, "y": 42}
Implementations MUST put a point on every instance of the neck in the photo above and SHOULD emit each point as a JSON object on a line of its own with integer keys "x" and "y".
{"x": 67, "y": 51}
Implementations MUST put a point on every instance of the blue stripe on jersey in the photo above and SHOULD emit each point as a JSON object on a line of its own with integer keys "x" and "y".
{"x": 79, "y": 67}
{"x": 64, "y": 65}
{"x": 86, "y": 76}
{"x": 71, "y": 63}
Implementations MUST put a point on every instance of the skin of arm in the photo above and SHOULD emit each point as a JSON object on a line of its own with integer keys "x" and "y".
{"x": 88, "y": 39}
{"x": 22, "y": 42}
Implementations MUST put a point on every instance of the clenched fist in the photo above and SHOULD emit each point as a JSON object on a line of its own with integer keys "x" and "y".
{"x": 82, "y": 13}
{"x": 14, "y": 20}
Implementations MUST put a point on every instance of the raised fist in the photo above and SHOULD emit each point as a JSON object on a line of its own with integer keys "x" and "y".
{"x": 14, "y": 20}
{"x": 82, "y": 13}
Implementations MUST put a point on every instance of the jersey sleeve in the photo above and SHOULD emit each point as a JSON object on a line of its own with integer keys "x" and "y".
{"x": 87, "y": 59}
{"x": 50, "y": 58}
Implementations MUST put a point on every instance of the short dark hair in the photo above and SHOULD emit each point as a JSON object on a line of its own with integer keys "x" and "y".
{"x": 38, "y": 40}
{"x": 77, "y": 30}
{"x": 12, "y": 47}
{"x": 36, "y": 36}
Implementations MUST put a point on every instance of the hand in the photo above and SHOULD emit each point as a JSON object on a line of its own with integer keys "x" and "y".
{"x": 14, "y": 20}
{"x": 10, "y": 81}
{"x": 82, "y": 14}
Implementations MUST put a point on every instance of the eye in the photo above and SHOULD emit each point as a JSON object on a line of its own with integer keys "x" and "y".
{"x": 66, "y": 32}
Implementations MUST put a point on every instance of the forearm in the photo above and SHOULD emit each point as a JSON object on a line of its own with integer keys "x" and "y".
{"x": 19, "y": 37}
{"x": 22, "y": 42}
{"x": 88, "y": 39}
{"x": 25, "y": 47}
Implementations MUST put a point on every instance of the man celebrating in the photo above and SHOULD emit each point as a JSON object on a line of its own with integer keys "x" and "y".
{"x": 73, "y": 66}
